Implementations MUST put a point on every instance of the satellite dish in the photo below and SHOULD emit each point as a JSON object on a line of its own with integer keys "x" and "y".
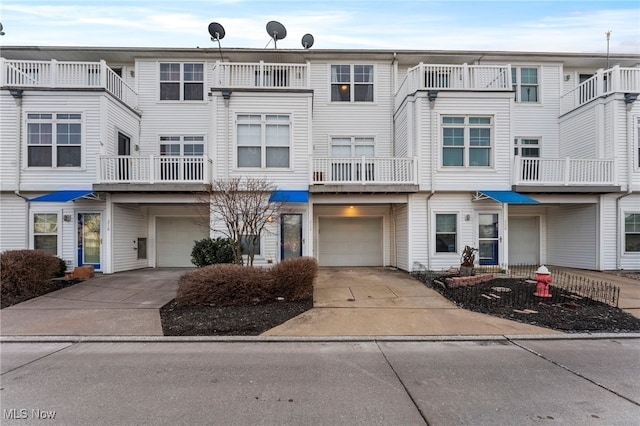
{"x": 1, "y": 28}
{"x": 307, "y": 41}
{"x": 216, "y": 30}
{"x": 276, "y": 31}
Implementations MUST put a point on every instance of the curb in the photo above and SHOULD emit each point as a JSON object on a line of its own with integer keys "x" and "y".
{"x": 309, "y": 339}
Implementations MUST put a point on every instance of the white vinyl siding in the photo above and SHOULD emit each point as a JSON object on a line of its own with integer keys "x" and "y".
{"x": 13, "y": 222}
{"x": 401, "y": 241}
{"x": 129, "y": 224}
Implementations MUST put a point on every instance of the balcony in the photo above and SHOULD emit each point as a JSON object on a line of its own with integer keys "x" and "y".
{"x": 564, "y": 175}
{"x": 455, "y": 77}
{"x": 65, "y": 75}
{"x": 261, "y": 75}
{"x": 353, "y": 174}
{"x": 603, "y": 83}
{"x": 162, "y": 171}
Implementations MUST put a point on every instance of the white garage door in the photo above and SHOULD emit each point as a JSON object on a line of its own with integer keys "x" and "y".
{"x": 175, "y": 237}
{"x": 350, "y": 242}
{"x": 524, "y": 237}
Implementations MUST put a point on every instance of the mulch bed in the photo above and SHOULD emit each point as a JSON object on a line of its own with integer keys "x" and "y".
{"x": 565, "y": 312}
{"x": 51, "y": 285}
{"x": 228, "y": 320}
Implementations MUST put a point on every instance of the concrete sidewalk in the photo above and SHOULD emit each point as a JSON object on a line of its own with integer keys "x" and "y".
{"x": 121, "y": 304}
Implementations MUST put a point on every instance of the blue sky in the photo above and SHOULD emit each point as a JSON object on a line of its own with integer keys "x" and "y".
{"x": 558, "y": 26}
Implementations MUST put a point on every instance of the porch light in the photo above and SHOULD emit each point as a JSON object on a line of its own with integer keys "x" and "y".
{"x": 432, "y": 95}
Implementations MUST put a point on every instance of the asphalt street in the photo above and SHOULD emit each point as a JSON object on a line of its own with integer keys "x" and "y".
{"x": 500, "y": 381}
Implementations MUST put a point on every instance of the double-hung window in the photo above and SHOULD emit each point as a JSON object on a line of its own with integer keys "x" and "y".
{"x": 182, "y": 158}
{"x": 525, "y": 83}
{"x": 45, "y": 232}
{"x": 446, "y": 232}
{"x": 352, "y": 83}
{"x": 632, "y": 232}
{"x": 181, "y": 81}
{"x": 526, "y": 147}
{"x": 54, "y": 140}
{"x": 263, "y": 140}
{"x": 466, "y": 141}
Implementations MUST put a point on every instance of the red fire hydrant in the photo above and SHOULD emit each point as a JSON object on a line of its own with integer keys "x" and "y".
{"x": 543, "y": 277}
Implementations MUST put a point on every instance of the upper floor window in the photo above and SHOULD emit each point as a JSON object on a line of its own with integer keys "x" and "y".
{"x": 524, "y": 147}
{"x": 263, "y": 140}
{"x": 352, "y": 83}
{"x": 632, "y": 232}
{"x": 352, "y": 147}
{"x": 182, "y": 145}
{"x": 525, "y": 83}
{"x": 174, "y": 165}
{"x": 54, "y": 140}
{"x": 180, "y": 81}
{"x": 466, "y": 141}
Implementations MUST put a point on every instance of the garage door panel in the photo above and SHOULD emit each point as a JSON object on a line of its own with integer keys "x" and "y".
{"x": 350, "y": 241}
{"x": 175, "y": 238}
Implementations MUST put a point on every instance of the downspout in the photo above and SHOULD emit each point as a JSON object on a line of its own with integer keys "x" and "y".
{"x": 433, "y": 144}
{"x": 630, "y": 157}
{"x": 17, "y": 94}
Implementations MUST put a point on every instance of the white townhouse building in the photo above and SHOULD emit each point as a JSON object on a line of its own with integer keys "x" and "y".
{"x": 383, "y": 158}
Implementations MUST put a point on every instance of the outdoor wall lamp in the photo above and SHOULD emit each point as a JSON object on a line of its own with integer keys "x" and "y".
{"x": 16, "y": 93}
{"x": 432, "y": 95}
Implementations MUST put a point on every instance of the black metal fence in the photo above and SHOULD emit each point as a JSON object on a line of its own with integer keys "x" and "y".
{"x": 515, "y": 285}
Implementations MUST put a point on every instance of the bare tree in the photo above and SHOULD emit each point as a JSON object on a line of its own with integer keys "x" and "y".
{"x": 244, "y": 207}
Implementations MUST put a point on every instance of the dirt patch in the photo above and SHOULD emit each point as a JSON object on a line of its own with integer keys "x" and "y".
{"x": 228, "y": 320}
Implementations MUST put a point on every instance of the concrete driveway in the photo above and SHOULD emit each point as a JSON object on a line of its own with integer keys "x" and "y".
{"x": 388, "y": 302}
{"x": 121, "y": 304}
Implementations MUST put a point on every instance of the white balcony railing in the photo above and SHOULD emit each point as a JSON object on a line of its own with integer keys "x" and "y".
{"x": 563, "y": 171}
{"x": 154, "y": 169}
{"x": 261, "y": 75}
{"x": 455, "y": 77}
{"x": 65, "y": 75}
{"x": 603, "y": 83}
{"x": 364, "y": 170}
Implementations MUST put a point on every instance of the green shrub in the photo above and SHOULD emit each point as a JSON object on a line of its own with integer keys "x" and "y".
{"x": 293, "y": 278}
{"x": 210, "y": 251}
{"x": 233, "y": 285}
{"x": 62, "y": 268}
{"x": 24, "y": 273}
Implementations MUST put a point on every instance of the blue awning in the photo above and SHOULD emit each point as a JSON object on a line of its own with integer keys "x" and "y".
{"x": 62, "y": 196}
{"x": 289, "y": 197}
{"x": 508, "y": 197}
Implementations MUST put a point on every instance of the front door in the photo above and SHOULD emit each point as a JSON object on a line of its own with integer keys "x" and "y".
{"x": 89, "y": 239}
{"x": 488, "y": 238}
{"x": 124, "y": 151}
{"x": 291, "y": 235}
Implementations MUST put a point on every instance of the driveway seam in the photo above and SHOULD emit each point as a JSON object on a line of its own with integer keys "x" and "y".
{"x": 582, "y": 376}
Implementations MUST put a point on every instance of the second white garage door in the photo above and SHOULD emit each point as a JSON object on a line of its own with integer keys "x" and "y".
{"x": 350, "y": 241}
{"x": 175, "y": 238}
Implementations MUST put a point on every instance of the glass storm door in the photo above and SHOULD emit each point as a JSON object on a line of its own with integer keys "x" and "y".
{"x": 488, "y": 238}
{"x": 291, "y": 234}
{"x": 89, "y": 239}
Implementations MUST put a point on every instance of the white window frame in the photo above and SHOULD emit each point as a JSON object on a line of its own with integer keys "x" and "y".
{"x": 521, "y": 143}
{"x": 637, "y": 138}
{"x": 466, "y": 126}
{"x": 351, "y": 84}
{"x": 435, "y": 232}
{"x": 182, "y": 140}
{"x": 33, "y": 233}
{"x": 182, "y": 81}
{"x": 624, "y": 232}
{"x": 57, "y": 118}
{"x": 263, "y": 120}
{"x": 518, "y": 85}
{"x": 353, "y": 142}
